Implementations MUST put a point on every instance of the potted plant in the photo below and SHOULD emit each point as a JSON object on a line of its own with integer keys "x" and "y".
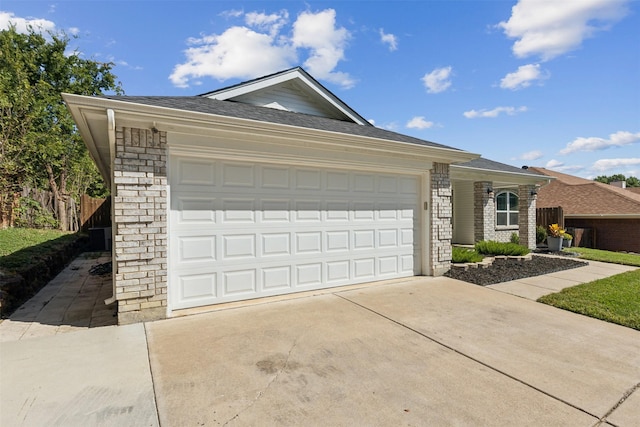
{"x": 554, "y": 238}
{"x": 566, "y": 240}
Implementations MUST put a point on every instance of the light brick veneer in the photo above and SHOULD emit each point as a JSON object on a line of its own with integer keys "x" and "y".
{"x": 140, "y": 222}
{"x": 441, "y": 214}
{"x": 484, "y": 227}
{"x": 527, "y": 215}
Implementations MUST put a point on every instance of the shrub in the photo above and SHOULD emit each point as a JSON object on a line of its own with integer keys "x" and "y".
{"x": 465, "y": 255}
{"x": 490, "y": 247}
{"x": 515, "y": 238}
{"x": 541, "y": 234}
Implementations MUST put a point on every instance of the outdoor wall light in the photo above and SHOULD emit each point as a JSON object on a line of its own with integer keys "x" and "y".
{"x": 534, "y": 193}
{"x": 490, "y": 191}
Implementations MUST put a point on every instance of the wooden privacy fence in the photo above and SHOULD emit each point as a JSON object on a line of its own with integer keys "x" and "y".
{"x": 94, "y": 212}
{"x": 548, "y": 216}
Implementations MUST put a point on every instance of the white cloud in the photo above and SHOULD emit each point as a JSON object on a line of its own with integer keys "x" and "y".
{"x": 419, "y": 122}
{"x": 523, "y": 77}
{"x": 511, "y": 111}
{"x": 233, "y": 13}
{"x": 238, "y": 52}
{"x": 553, "y": 164}
{"x": 438, "y": 80}
{"x": 551, "y": 28}
{"x": 531, "y": 155}
{"x": 318, "y": 32}
{"x": 262, "y": 46}
{"x": 610, "y": 164}
{"x": 74, "y": 31}
{"x": 389, "y": 39}
{"x": 618, "y": 139}
{"x": 22, "y": 24}
{"x": 271, "y": 23}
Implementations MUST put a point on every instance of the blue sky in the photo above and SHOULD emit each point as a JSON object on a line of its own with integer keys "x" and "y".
{"x": 553, "y": 84}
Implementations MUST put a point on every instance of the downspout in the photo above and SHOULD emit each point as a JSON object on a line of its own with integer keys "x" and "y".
{"x": 111, "y": 132}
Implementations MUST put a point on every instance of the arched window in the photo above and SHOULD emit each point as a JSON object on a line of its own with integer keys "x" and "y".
{"x": 506, "y": 209}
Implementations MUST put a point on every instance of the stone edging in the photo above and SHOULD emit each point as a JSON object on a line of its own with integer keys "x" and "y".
{"x": 488, "y": 261}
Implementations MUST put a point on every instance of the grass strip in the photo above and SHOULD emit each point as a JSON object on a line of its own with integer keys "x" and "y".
{"x": 615, "y": 299}
{"x": 607, "y": 256}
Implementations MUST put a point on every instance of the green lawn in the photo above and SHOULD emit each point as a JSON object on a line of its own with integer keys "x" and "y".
{"x": 607, "y": 256}
{"x": 615, "y": 299}
{"x": 21, "y": 246}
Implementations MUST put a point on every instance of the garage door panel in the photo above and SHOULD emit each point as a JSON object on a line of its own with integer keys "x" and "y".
{"x": 364, "y": 183}
{"x": 238, "y": 175}
{"x": 277, "y": 278}
{"x": 338, "y": 272}
{"x": 308, "y": 179}
{"x": 274, "y": 244}
{"x": 338, "y": 181}
{"x": 194, "y": 172}
{"x": 275, "y": 210}
{"x": 274, "y": 177}
{"x": 239, "y": 282}
{"x": 238, "y": 246}
{"x": 241, "y": 231}
{"x": 194, "y": 210}
{"x": 309, "y": 274}
{"x": 197, "y": 287}
{"x": 197, "y": 248}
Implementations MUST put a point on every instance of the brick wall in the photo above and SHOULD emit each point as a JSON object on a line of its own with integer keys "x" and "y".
{"x": 484, "y": 212}
{"x": 611, "y": 234}
{"x": 140, "y": 221}
{"x": 441, "y": 214}
{"x": 527, "y": 216}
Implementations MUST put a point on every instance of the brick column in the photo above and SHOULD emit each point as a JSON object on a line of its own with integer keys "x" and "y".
{"x": 527, "y": 215}
{"x": 484, "y": 209}
{"x": 441, "y": 214}
{"x": 140, "y": 222}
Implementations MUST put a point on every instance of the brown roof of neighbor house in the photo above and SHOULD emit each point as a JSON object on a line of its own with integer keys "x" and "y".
{"x": 634, "y": 189}
{"x": 579, "y": 196}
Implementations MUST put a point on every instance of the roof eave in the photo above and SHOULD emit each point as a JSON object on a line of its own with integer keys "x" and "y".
{"x": 177, "y": 120}
{"x": 463, "y": 172}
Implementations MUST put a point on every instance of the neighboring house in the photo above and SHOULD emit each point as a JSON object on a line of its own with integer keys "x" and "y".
{"x": 275, "y": 186}
{"x": 610, "y": 212}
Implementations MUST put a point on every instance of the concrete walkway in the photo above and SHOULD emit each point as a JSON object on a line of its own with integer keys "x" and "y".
{"x": 421, "y": 351}
{"x": 72, "y": 301}
{"x": 534, "y": 287}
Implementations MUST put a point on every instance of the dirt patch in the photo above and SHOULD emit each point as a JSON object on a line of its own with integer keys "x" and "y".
{"x": 504, "y": 270}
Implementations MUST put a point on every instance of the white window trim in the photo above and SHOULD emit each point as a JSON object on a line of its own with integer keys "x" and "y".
{"x": 508, "y": 211}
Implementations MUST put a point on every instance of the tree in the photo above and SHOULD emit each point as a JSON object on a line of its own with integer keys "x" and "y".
{"x": 40, "y": 146}
{"x": 632, "y": 181}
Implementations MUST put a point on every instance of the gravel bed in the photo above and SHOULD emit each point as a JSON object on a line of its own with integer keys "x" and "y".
{"x": 504, "y": 270}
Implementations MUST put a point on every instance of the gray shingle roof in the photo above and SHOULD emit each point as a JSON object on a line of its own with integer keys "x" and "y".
{"x": 245, "y": 111}
{"x": 486, "y": 164}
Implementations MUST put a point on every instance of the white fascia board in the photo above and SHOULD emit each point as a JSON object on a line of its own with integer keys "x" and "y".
{"x": 189, "y": 122}
{"x": 467, "y": 173}
{"x": 96, "y": 144}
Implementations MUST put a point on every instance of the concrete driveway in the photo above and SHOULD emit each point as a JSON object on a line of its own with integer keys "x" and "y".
{"x": 424, "y": 351}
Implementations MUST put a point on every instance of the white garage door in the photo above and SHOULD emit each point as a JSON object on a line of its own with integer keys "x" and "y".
{"x": 244, "y": 230}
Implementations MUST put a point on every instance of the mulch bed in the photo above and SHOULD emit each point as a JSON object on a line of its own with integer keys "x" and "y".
{"x": 504, "y": 270}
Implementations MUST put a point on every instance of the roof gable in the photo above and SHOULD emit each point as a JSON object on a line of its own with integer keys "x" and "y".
{"x": 290, "y": 90}
{"x": 579, "y": 196}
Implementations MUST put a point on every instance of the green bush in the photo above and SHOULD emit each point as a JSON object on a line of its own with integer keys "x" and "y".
{"x": 490, "y": 247}
{"x": 461, "y": 255}
{"x": 515, "y": 238}
{"x": 541, "y": 234}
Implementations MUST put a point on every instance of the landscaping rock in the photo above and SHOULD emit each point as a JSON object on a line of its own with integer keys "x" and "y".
{"x": 505, "y": 269}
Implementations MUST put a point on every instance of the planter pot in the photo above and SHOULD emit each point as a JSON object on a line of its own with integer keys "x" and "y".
{"x": 554, "y": 243}
{"x": 566, "y": 243}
